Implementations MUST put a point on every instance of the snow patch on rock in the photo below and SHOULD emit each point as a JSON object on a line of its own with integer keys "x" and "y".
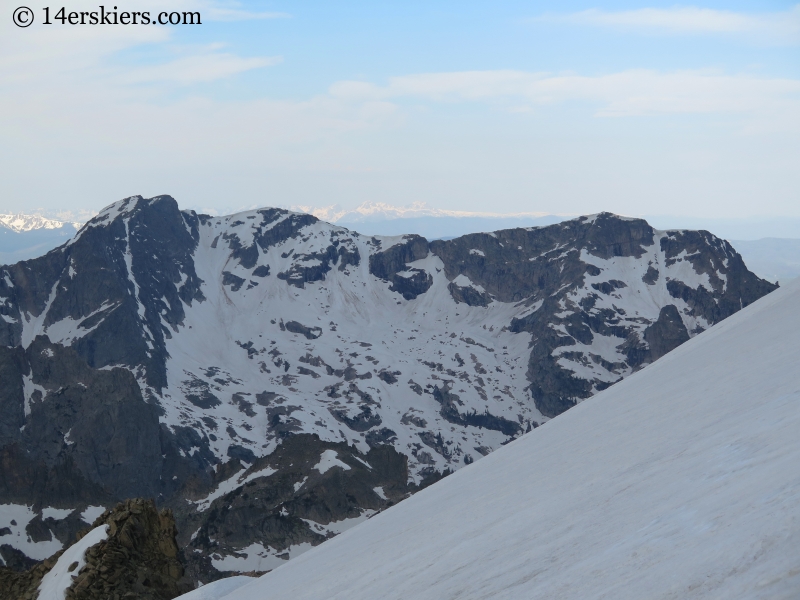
{"x": 55, "y": 583}
{"x": 328, "y": 460}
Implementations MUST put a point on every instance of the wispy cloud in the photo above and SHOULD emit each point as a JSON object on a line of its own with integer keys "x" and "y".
{"x": 775, "y": 27}
{"x": 48, "y": 57}
{"x": 201, "y": 68}
{"x": 628, "y": 93}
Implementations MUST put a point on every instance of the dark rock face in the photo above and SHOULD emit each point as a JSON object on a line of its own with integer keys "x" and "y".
{"x": 119, "y": 317}
{"x": 279, "y": 226}
{"x": 12, "y": 393}
{"x": 518, "y": 264}
{"x": 451, "y": 414}
{"x": 666, "y": 334}
{"x": 310, "y": 333}
{"x": 391, "y": 265}
{"x": 500, "y": 262}
{"x": 21, "y": 583}
{"x": 276, "y": 508}
{"x": 15, "y": 562}
{"x": 469, "y": 295}
{"x": 362, "y": 421}
{"x": 712, "y": 257}
{"x": 77, "y": 427}
{"x": 273, "y": 379}
{"x": 312, "y": 267}
{"x": 139, "y": 559}
{"x": 232, "y": 280}
{"x": 651, "y": 276}
{"x": 89, "y": 439}
{"x": 555, "y": 389}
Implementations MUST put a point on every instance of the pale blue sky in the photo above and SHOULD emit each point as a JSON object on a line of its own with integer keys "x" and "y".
{"x": 560, "y": 107}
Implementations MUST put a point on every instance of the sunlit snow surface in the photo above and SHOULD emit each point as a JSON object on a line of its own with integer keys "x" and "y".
{"x": 22, "y": 222}
{"x": 328, "y": 460}
{"x": 57, "y": 514}
{"x": 682, "y": 481}
{"x": 355, "y": 311}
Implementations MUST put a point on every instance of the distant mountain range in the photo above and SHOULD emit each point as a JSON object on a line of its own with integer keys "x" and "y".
{"x": 380, "y": 211}
{"x": 25, "y": 236}
{"x": 378, "y": 218}
{"x": 21, "y": 223}
{"x": 397, "y": 220}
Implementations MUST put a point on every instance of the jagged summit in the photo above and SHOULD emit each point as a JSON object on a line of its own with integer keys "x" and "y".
{"x": 239, "y": 350}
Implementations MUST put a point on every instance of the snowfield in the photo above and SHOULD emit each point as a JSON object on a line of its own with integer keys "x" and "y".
{"x": 681, "y": 481}
{"x": 213, "y": 590}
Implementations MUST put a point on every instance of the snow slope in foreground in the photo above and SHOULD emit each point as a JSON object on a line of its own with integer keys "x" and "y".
{"x": 217, "y": 589}
{"x": 682, "y": 481}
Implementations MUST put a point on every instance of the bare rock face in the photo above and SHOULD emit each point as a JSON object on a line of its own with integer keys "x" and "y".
{"x": 139, "y": 559}
{"x": 274, "y": 379}
{"x": 301, "y": 495}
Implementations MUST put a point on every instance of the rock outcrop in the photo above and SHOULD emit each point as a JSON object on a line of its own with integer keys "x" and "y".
{"x": 138, "y": 559}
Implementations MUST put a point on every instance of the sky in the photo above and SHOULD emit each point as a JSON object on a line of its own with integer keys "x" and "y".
{"x": 551, "y": 107}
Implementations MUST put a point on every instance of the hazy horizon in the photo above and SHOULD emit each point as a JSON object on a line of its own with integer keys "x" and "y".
{"x": 383, "y": 219}
{"x": 554, "y": 107}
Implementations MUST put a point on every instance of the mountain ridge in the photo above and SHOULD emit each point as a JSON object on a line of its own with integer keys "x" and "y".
{"x": 245, "y": 349}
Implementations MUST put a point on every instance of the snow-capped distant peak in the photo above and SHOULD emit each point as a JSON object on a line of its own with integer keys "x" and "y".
{"x": 21, "y": 222}
{"x": 369, "y": 211}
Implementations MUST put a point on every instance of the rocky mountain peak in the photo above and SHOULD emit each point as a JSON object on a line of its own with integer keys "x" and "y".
{"x": 226, "y": 343}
